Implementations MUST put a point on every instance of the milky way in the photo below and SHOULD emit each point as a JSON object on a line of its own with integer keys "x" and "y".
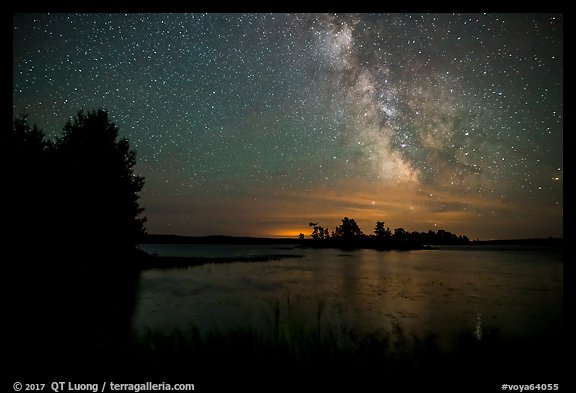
{"x": 255, "y": 124}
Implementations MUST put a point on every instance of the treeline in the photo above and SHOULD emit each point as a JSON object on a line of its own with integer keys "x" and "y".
{"x": 71, "y": 225}
{"x": 349, "y": 234}
{"x": 75, "y": 192}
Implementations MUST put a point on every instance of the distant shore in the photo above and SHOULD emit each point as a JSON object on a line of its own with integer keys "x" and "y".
{"x": 215, "y": 239}
{"x": 550, "y": 241}
{"x": 219, "y": 239}
{"x": 151, "y": 261}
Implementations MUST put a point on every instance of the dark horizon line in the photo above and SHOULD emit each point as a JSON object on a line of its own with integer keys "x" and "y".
{"x": 153, "y": 238}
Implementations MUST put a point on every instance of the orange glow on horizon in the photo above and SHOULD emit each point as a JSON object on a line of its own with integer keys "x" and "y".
{"x": 288, "y": 233}
{"x": 414, "y": 207}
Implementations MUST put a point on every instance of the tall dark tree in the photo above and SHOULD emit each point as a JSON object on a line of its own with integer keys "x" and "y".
{"x": 99, "y": 190}
{"x": 348, "y": 230}
{"x": 25, "y": 167}
{"x": 73, "y": 219}
{"x": 381, "y": 231}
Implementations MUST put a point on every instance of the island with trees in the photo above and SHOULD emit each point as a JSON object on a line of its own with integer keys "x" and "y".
{"x": 349, "y": 235}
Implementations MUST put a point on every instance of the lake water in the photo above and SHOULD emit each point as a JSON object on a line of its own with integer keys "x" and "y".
{"x": 449, "y": 290}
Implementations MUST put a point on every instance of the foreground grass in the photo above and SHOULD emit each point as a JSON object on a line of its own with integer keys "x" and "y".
{"x": 296, "y": 358}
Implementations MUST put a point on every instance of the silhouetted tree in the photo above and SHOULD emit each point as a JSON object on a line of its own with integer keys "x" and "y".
{"x": 382, "y": 232}
{"x": 348, "y": 230}
{"x": 442, "y": 236}
{"x": 348, "y": 234}
{"x": 26, "y": 169}
{"x": 99, "y": 190}
{"x": 314, "y": 233}
{"x": 415, "y": 237}
{"x": 26, "y": 143}
{"x": 319, "y": 233}
{"x": 400, "y": 235}
{"x": 70, "y": 203}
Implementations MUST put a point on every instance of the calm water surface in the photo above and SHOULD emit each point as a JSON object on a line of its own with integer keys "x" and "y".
{"x": 517, "y": 290}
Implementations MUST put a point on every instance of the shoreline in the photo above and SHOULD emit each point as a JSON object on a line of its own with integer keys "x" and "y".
{"x": 151, "y": 261}
{"x": 361, "y": 243}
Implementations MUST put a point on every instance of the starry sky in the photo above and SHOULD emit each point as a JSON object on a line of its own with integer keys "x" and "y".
{"x": 256, "y": 124}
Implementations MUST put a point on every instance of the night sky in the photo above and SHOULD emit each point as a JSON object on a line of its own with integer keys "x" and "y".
{"x": 256, "y": 124}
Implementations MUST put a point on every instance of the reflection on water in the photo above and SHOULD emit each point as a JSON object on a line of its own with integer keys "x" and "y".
{"x": 519, "y": 291}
